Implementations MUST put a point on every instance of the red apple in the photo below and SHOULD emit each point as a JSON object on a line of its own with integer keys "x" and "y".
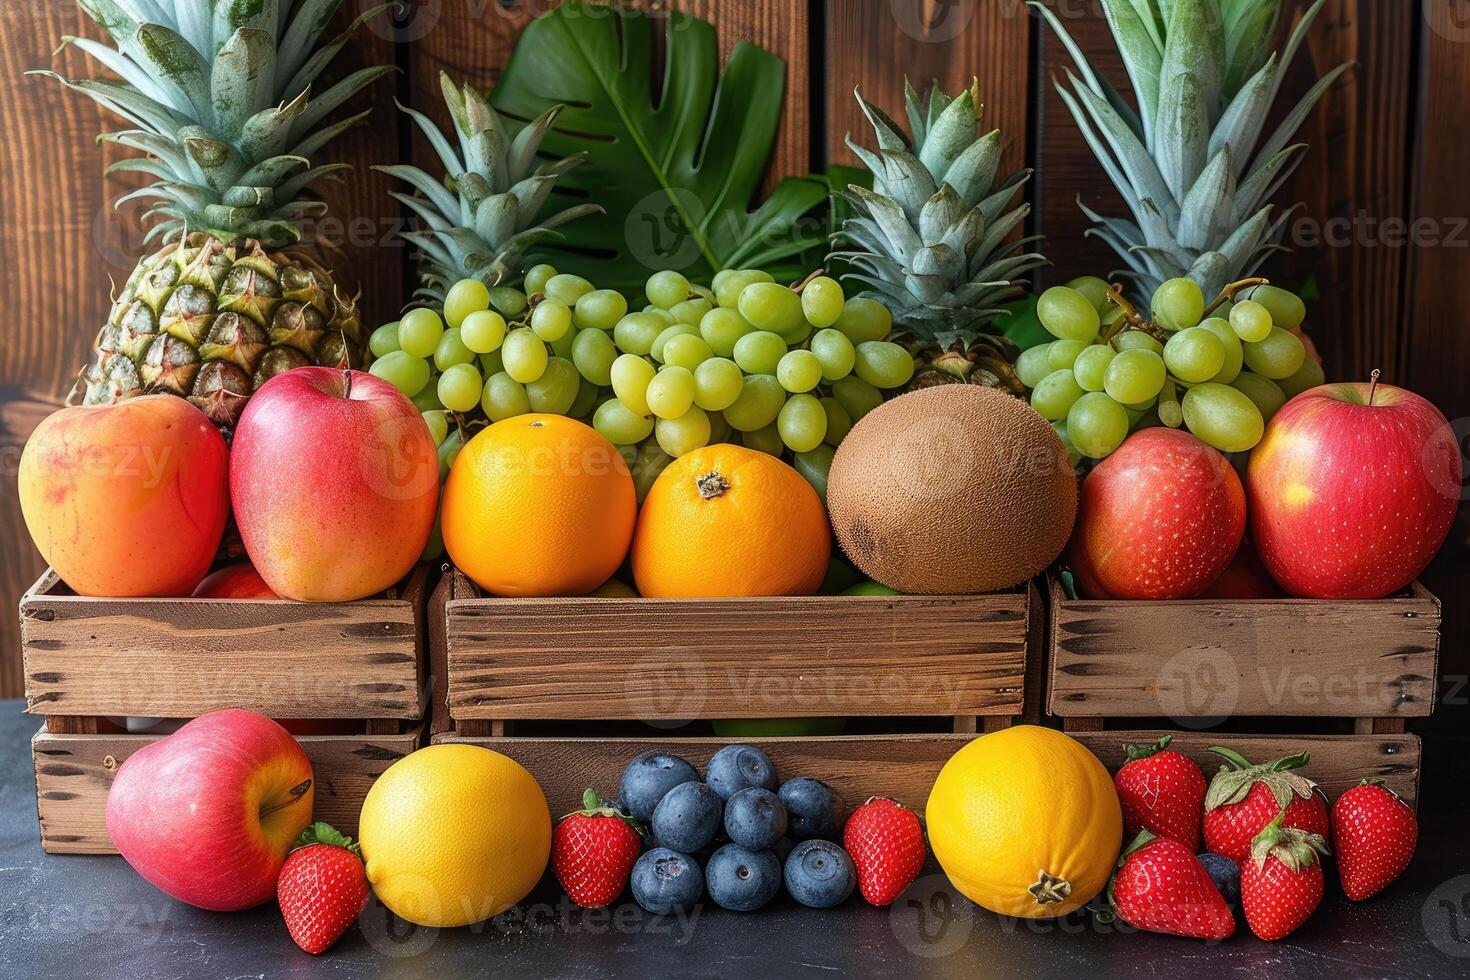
{"x": 1352, "y": 490}
{"x": 240, "y": 581}
{"x": 1161, "y": 518}
{"x": 128, "y": 499}
{"x": 1245, "y": 578}
{"x": 208, "y": 814}
{"x": 335, "y": 481}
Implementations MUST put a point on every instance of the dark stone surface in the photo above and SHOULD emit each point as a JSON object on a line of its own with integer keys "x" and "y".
{"x": 92, "y": 916}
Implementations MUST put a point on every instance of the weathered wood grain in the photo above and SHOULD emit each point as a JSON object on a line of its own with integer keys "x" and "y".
{"x": 179, "y": 658}
{"x": 74, "y": 773}
{"x": 20, "y": 412}
{"x": 806, "y": 656}
{"x": 1277, "y": 657}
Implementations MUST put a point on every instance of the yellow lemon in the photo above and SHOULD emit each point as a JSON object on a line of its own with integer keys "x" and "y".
{"x": 454, "y": 834}
{"x": 1026, "y": 822}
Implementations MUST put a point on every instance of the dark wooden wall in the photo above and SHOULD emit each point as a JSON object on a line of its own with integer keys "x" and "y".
{"x": 1391, "y": 141}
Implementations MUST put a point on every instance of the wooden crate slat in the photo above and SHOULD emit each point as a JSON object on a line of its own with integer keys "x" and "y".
{"x": 1286, "y": 657}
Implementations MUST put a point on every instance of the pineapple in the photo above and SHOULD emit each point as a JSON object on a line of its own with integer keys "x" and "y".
{"x": 481, "y": 218}
{"x": 1193, "y": 162}
{"x": 930, "y": 240}
{"x": 220, "y": 96}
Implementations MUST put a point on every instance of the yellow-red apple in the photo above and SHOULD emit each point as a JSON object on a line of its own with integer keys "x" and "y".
{"x": 240, "y": 581}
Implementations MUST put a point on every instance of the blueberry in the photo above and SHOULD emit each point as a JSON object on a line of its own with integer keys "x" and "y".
{"x": 665, "y": 881}
{"x": 687, "y": 817}
{"x": 783, "y": 848}
{"x": 737, "y": 767}
{"x": 755, "y": 818}
{"x": 812, "y": 806}
{"x": 742, "y": 880}
{"x": 648, "y": 777}
{"x": 819, "y": 874}
{"x": 1225, "y": 873}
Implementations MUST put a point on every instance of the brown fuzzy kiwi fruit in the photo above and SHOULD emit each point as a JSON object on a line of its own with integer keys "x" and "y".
{"x": 952, "y": 489}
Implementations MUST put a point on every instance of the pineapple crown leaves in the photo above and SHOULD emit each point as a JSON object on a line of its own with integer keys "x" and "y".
{"x": 479, "y": 221}
{"x": 930, "y": 238}
{"x": 220, "y": 95}
{"x": 1233, "y": 783}
{"x": 1294, "y": 848}
{"x": 1192, "y": 162}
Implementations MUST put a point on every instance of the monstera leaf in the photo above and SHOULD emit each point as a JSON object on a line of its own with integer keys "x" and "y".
{"x": 677, "y": 172}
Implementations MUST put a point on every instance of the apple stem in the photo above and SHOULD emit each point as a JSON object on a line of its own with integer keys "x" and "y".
{"x": 1373, "y": 385}
{"x": 296, "y": 792}
{"x": 347, "y": 382}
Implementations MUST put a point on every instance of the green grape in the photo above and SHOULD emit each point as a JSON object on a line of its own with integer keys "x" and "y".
{"x": 537, "y": 277}
{"x": 1091, "y": 366}
{"x": 1034, "y": 364}
{"x": 562, "y": 346}
{"x": 1178, "y": 303}
{"x": 459, "y": 387}
{"x": 419, "y": 332}
{"x": 464, "y": 298}
{"x": 566, "y": 288}
{"x": 721, "y": 328}
{"x": 799, "y": 371}
{"x": 1277, "y": 357}
{"x": 684, "y": 434}
{"x": 403, "y": 371}
{"x": 883, "y": 364}
{"x": 720, "y": 278}
{"x": 619, "y": 425}
{"x": 1097, "y": 425}
{"x": 1068, "y": 314}
{"x": 636, "y": 332}
{"x": 759, "y": 352}
{"x": 438, "y": 423}
{"x": 1136, "y": 340}
{"x": 771, "y": 306}
{"x": 1307, "y": 377}
{"x": 717, "y": 383}
{"x": 1169, "y": 411}
{"x": 384, "y": 339}
{"x": 1073, "y": 456}
{"x": 1223, "y": 417}
{"x": 586, "y": 400}
{"x": 864, "y": 319}
{"x": 1263, "y": 392}
{"x": 813, "y": 465}
{"x": 839, "y": 423}
{"x": 691, "y": 311}
{"x": 703, "y": 292}
{"x": 1063, "y": 354}
{"x": 449, "y": 452}
{"x": 822, "y": 300}
{"x": 600, "y": 309}
{"x": 524, "y": 355}
{"x": 483, "y": 331}
{"x": 835, "y": 353}
{"x": 668, "y": 334}
{"x": 1286, "y": 308}
{"x": 666, "y": 289}
{"x": 1234, "y": 352}
{"x": 646, "y": 466}
{"x": 687, "y": 351}
{"x": 630, "y": 377}
{"x": 797, "y": 336}
{"x": 504, "y": 397}
{"x": 491, "y": 363}
{"x": 1132, "y": 377}
{"x": 1096, "y": 290}
{"x": 766, "y": 439}
{"x": 664, "y": 317}
{"x": 1251, "y": 321}
{"x": 856, "y": 395}
{"x": 509, "y": 301}
{"x": 554, "y": 392}
{"x": 670, "y": 393}
{"x": 719, "y": 429}
{"x": 434, "y": 549}
{"x": 427, "y": 400}
{"x": 728, "y": 289}
{"x": 593, "y": 352}
{"x": 452, "y": 350}
{"x": 802, "y": 423}
{"x": 551, "y": 320}
{"x": 759, "y": 403}
{"x": 1056, "y": 395}
{"x": 1143, "y": 418}
{"x": 1194, "y": 355}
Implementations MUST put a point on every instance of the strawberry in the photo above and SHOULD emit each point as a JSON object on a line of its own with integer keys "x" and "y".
{"x": 322, "y": 888}
{"x": 1243, "y": 798}
{"x": 1160, "y": 886}
{"x": 886, "y": 843}
{"x": 1162, "y": 791}
{"x": 1281, "y": 883}
{"x": 593, "y": 852}
{"x": 1373, "y": 834}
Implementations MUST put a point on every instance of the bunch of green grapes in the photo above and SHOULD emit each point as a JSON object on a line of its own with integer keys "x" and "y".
{"x": 1220, "y": 370}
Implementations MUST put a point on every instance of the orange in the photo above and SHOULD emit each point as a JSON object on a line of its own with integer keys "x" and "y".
{"x": 538, "y": 505}
{"x": 726, "y": 520}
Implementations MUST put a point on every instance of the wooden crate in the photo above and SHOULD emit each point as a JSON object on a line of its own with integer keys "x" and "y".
{"x": 351, "y": 675}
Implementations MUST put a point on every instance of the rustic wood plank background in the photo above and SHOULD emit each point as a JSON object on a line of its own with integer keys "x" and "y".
{"x": 1390, "y": 143}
